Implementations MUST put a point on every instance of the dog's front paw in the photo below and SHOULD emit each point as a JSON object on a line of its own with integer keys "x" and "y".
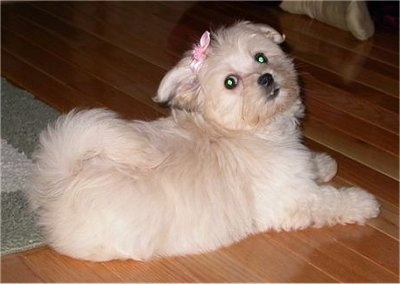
{"x": 326, "y": 167}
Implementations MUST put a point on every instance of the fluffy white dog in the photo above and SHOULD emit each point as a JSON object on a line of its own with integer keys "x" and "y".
{"x": 228, "y": 162}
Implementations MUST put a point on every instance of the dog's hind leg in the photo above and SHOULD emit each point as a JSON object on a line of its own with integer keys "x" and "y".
{"x": 313, "y": 205}
{"x": 343, "y": 206}
{"x": 325, "y": 166}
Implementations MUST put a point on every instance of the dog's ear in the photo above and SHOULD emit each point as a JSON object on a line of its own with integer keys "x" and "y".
{"x": 269, "y": 32}
{"x": 180, "y": 87}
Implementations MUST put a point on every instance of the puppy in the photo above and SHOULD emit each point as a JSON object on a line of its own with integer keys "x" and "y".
{"x": 227, "y": 163}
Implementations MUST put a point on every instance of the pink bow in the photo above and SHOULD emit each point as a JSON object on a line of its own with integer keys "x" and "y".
{"x": 199, "y": 51}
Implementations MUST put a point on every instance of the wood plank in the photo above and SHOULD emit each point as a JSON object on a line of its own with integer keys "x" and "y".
{"x": 142, "y": 49}
{"x": 153, "y": 271}
{"x": 347, "y": 94}
{"x": 117, "y": 73}
{"x": 344, "y": 39}
{"x": 372, "y": 157}
{"x": 216, "y": 267}
{"x": 354, "y": 127}
{"x": 351, "y": 103}
{"x": 14, "y": 270}
{"x": 44, "y": 86}
{"x": 65, "y": 269}
{"x": 275, "y": 263}
{"x": 386, "y": 83}
{"x": 356, "y": 237}
{"x": 172, "y": 46}
{"x": 85, "y": 83}
{"x": 360, "y": 175}
{"x": 325, "y": 251}
{"x": 388, "y": 220}
{"x": 157, "y": 10}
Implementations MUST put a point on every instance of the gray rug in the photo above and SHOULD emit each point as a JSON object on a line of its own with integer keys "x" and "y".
{"x": 22, "y": 119}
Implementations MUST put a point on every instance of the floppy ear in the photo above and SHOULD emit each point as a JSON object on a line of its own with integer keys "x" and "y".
{"x": 180, "y": 87}
{"x": 269, "y": 32}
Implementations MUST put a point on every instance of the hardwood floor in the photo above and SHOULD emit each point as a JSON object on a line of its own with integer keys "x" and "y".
{"x": 114, "y": 54}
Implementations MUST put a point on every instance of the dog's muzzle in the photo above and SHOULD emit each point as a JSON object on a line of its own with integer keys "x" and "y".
{"x": 267, "y": 82}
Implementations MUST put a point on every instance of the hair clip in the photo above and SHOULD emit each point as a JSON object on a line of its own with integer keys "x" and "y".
{"x": 199, "y": 50}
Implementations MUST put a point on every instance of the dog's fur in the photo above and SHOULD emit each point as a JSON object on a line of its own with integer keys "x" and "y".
{"x": 226, "y": 164}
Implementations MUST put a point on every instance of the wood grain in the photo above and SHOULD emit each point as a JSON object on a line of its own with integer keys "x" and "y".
{"x": 114, "y": 54}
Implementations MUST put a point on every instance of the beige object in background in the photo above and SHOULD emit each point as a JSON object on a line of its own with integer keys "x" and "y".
{"x": 351, "y": 16}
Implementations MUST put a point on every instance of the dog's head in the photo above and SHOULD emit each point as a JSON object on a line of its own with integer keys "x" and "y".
{"x": 240, "y": 79}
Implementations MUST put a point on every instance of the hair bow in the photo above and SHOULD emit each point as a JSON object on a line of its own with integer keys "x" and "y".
{"x": 199, "y": 50}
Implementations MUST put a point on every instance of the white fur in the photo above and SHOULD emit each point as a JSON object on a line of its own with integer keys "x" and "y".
{"x": 226, "y": 164}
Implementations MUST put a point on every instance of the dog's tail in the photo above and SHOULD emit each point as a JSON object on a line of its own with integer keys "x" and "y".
{"x": 94, "y": 137}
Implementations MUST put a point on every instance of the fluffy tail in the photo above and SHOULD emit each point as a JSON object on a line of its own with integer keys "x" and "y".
{"x": 78, "y": 137}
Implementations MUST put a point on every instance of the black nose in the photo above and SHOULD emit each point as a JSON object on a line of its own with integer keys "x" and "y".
{"x": 265, "y": 80}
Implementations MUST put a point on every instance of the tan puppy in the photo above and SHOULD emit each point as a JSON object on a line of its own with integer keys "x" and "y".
{"x": 226, "y": 164}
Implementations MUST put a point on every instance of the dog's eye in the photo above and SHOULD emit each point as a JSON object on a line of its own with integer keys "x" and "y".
{"x": 261, "y": 58}
{"x": 231, "y": 82}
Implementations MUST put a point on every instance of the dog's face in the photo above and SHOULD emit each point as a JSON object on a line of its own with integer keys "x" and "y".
{"x": 242, "y": 82}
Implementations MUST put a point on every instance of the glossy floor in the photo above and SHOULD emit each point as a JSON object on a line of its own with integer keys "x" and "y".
{"x": 114, "y": 54}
